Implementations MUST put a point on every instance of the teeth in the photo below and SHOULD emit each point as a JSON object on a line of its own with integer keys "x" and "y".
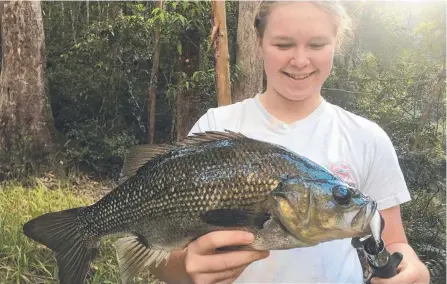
{"x": 298, "y": 77}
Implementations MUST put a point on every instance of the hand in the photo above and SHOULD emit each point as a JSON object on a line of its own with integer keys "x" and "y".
{"x": 205, "y": 265}
{"x": 410, "y": 270}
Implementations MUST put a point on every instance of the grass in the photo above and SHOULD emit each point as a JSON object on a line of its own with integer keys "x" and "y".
{"x": 24, "y": 261}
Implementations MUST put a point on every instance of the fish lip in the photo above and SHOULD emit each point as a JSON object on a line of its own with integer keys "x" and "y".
{"x": 373, "y": 209}
{"x": 368, "y": 210}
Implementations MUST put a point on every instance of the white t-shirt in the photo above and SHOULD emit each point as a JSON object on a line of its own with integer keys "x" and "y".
{"x": 354, "y": 148}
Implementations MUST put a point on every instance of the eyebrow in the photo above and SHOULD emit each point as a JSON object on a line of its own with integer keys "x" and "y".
{"x": 323, "y": 38}
{"x": 282, "y": 38}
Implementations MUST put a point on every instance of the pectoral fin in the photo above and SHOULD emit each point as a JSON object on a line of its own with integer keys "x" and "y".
{"x": 235, "y": 218}
{"x": 134, "y": 254}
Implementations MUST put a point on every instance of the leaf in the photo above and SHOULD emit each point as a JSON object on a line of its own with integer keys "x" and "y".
{"x": 179, "y": 48}
{"x": 25, "y": 278}
{"x": 183, "y": 20}
{"x": 155, "y": 11}
{"x": 195, "y": 75}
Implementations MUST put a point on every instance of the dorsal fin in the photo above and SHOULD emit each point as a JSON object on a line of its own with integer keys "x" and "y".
{"x": 141, "y": 154}
{"x": 209, "y": 136}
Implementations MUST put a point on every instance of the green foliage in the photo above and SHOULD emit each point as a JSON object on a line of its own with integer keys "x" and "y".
{"x": 99, "y": 85}
{"x": 25, "y": 261}
{"x": 99, "y": 64}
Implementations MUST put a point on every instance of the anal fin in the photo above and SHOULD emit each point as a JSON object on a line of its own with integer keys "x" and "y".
{"x": 134, "y": 255}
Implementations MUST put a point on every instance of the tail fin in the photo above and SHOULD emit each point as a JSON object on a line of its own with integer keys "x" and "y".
{"x": 60, "y": 232}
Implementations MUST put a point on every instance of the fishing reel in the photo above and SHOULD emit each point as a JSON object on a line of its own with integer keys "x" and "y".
{"x": 382, "y": 263}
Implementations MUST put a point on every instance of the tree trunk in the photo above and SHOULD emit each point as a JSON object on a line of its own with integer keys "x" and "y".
{"x": 152, "y": 95}
{"x": 63, "y": 18}
{"x": 179, "y": 109}
{"x": 73, "y": 20}
{"x": 250, "y": 81}
{"x": 26, "y": 122}
{"x": 436, "y": 91}
{"x": 219, "y": 36}
{"x": 1, "y": 14}
{"x": 188, "y": 99}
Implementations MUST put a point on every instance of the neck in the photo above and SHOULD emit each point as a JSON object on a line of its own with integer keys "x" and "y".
{"x": 287, "y": 110}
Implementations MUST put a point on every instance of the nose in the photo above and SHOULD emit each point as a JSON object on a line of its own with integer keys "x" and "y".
{"x": 300, "y": 57}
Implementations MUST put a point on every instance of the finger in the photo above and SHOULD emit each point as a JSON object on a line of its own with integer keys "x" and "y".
{"x": 228, "y": 276}
{"x": 220, "y": 277}
{"x": 231, "y": 260}
{"x": 208, "y": 243}
{"x": 404, "y": 276}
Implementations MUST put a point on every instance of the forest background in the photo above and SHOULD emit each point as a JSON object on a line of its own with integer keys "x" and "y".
{"x": 82, "y": 82}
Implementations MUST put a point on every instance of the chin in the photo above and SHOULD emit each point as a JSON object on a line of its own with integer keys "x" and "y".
{"x": 294, "y": 95}
{"x": 297, "y": 97}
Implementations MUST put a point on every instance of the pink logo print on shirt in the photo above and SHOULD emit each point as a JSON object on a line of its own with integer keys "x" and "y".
{"x": 342, "y": 170}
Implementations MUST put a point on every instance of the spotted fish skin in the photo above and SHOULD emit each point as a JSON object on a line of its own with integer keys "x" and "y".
{"x": 173, "y": 194}
{"x": 233, "y": 173}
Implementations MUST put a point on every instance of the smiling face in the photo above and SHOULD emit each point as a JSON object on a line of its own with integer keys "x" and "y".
{"x": 297, "y": 46}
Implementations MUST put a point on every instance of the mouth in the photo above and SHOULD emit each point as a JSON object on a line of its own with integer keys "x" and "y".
{"x": 298, "y": 77}
{"x": 364, "y": 216}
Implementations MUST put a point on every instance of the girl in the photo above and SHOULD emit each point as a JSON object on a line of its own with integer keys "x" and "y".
{"x": 297, "y": 41}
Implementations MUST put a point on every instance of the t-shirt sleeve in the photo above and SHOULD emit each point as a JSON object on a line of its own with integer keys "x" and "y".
{"x": 218, "y": 119}
{"x": 205, "y": 123}
{"x": 385, "y": 181}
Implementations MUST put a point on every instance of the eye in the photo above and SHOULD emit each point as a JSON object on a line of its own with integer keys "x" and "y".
{"x": 317, "y": 45}
{"x": 342, "y": 195}
{"x": 284, "y": 45}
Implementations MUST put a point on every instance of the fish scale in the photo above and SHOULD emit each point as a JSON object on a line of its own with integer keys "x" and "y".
{"x": 218, "y": 158}
{"x": 170, "y": 195}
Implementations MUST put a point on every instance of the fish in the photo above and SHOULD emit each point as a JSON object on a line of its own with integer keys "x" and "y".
{"x": 171, "y": 194}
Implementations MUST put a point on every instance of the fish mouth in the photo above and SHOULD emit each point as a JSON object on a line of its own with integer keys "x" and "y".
{"x": 364, "y": 216}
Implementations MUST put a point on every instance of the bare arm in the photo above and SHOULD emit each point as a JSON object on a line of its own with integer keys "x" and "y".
{"x": 411, "y": 269}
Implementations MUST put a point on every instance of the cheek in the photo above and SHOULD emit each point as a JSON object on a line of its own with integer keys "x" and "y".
{"x": 274, "y": 60}
{"x": 324, "y": 60}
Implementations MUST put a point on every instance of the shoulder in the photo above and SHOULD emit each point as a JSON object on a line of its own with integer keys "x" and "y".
{"x": 223, "y": 117}
{"x": 359, "y": 127}
{"x": 367, "y": 141}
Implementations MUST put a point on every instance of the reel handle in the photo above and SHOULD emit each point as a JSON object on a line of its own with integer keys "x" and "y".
{"x": 387, "y": 271}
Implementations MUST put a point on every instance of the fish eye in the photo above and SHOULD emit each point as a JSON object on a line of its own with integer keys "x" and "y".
{"x": 342, "y": 195}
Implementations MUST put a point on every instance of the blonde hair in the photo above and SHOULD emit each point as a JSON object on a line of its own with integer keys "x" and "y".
{"x": 340, "y": 19}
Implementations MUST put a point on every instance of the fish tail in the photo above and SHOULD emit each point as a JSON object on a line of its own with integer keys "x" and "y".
{"x": 60, "y": 232}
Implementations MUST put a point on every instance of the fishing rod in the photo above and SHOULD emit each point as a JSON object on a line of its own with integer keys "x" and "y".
{"x": 382, "y": 263}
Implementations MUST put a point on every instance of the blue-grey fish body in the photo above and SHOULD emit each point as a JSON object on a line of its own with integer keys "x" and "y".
{"x": 173, "y": 194}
